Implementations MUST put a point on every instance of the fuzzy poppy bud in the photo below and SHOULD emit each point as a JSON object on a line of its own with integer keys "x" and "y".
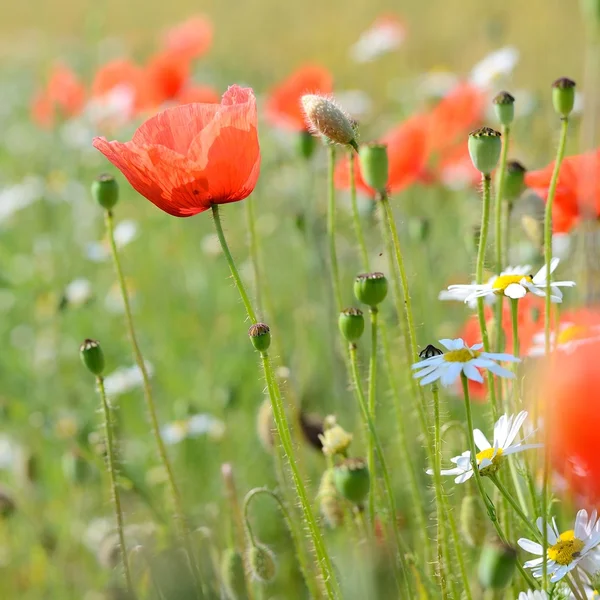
{"x": 305, "y": 144}
{"x": 563, "y": 96}
{"x": 92, "y": 356}
{"x": 514, "y": 180}
{"x": 504, "y": 106}
{"x": 374, "y": 165}
{"x": 473, "y": 520}
{"x": 351, "y": 323}
{"x": 352, "y": 480}
{"x": 370, "y": 288}
{"x": 232, "y": 574}
{"x": 429, "y": 352}
{"x": 326, "y": 118}
{"x": 484, "y": 148}
{"x": 105, "y": 191}
{"x": 261, "y": 562}
{"x": 329, "y": 501}
{"x": 260, "y": 336}
{"x": 497, "y": 564}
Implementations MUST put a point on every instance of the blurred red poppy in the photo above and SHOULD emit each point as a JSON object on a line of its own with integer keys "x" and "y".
{"x": 189, "y": 157}
{"x": 190, "y": 39}
{"x": 455, "y": 169}
{"x": 283, "y": 108}
{"x": 167, "y": 74}
{"x": 204, "y": 94}
{"x": 63, "y": 96}
{"x": 407, "y": 158}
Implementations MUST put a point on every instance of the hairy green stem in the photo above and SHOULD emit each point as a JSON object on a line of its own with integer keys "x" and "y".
{"x": 515, "y": 506}
{"x": 372, "y": 409}
{"x": 500, "y": 195}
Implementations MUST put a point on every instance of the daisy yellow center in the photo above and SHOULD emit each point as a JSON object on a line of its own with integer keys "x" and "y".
{"x": 566, "y": 549}
{"x": 503, "y": 281}
{"x": 572, "y": 333}
{"x": 489, "y": 454}
{"x": 462, "y": 356}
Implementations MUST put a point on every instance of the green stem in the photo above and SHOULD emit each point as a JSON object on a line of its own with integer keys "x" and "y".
{"x": 355, "y": 215}
{"x": 335, "y": 273}
{"x": 254, "y": 251}
{"x": 151, "y": 407}
{"x": 560, "y": 154}
{"x": 514, "y": 316}
{"x": 371, "y": 404}
{"x": 515, "y": 506}
{"x": 500, "y": 195}
{"x": 111, "y": 463}
{"x": 507, "y": 230}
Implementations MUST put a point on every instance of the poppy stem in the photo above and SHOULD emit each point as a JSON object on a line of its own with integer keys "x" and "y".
{"x": 358, "y": 229}
{"x": 151, "y": 408}
{"x": 500, "y": 195}
{"x": 333, "y": 261}
{"x": 515, "y": 506}
{"x": 111, "y": 463}
{"x": 372, "y": 398}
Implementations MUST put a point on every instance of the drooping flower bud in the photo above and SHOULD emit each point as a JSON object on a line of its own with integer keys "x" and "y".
{"x": 261, "y": 562}
{"x": 352, "y": 480}
{"x": 105, "y": 191}
{"x": 305, "y": 144}
{"x": 335, "y": 440}
{"x": 260, "y": 336}
{"x": 429, "y": 352}
{"x": 374, "y": 165}
{"x": 326, "y": 118}
{"x": 497, "y": 564}
{"x": 563, "y": 96}
{"x": 504, "y": 106}
{"x": 351, "y": 324}
{"x": 473, "y": 520}
{"x": 329, "y": 501}
{"x": 232, "y": 574}
{"x": 484, "y": 148}
{"x": 92, "y": 356}
{"x": 514, "y": 180}
{"x": 370, "y": 288}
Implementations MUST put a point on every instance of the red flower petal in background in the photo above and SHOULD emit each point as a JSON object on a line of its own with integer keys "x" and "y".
{"x": 283, "y": 108}
{"x": 204, "y": 94}
{"x": 167, "y": 75}
{"x": 455, "y": 168}
{"x": 189, "y": 157}
{"x": 190, "y": 39}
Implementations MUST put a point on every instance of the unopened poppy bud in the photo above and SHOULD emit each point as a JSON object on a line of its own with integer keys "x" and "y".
{"x": 473, "y": 520}
{"x": 418, "y": 229}
{"x": 497, "y": 564}
{"x": 484, "y": 148}
{"x": 305, "y": 144}
{"x": 105, "y": 191}
{"x": 326, "y": 118}
{"x": 260, "y": 336}
{"x": 514, "y": 180}
{"x": 351, "y": 323}
{"x": 92, "y": 356}
{"x": 563, "y": 96}
{"x": 504, "y": 106}
{"x": 352, "y": 480}
{"x": 329, "y": 501}
{"x": 232, "y": 574}
{"x": 429, "y": 352}
{"x": 370, "y": 288}
{"x": 261, "y": 562}
{"x": 374, "y": 165}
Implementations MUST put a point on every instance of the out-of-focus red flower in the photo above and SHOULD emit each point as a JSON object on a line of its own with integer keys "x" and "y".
{"x": 283, "y": 108}
{"x": 189, "y": 157}
{"x": 577, "y": 192}
{"x": 407, "y": 158}
{"x": 64, "y": 95}
{"x": 204, "y": 94}
{"x": 455, "y": 168}
{"x": 167, "y": 75}
{"x": 190, "y": 39}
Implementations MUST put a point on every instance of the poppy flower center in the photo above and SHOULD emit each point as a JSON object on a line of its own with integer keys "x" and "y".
{"x": 462, "y": 356}
{"x": 566, "y": 549}
{"x": 495, "y": 458}
{"x": 572, "y": 333}
{"x": 503, "y": 281}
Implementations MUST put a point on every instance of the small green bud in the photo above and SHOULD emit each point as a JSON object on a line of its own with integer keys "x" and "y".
{"x": 352, "y": 480}
{"x": 484, "y": 148}
{"x": 351, "y": 323}
{"x": 232, "y": 574}
{"x": 326, "y": 118}
{"x": 261, "y": 562}
{"x": 373, "y": 160}
{"x": 473, "y": 520}
{"x": 370, "y": 288}
{"x": 514, "y": 180}
{"x": 105, "y": 191}
{"x": 92, "y": 356}
{"x": 563, "y": 96}
{"x": 260, "y": 336}
{"x": 504, "y": 106}
{"x": 305, "y": 144}
{"x": 418, "y": 229}
{"x": 497, "y": 564}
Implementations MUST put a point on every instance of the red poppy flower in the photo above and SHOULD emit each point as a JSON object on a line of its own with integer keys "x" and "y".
{"x": 189, "y": 157}
{"x": 64, "y": 95}
{"x": 203, "y": 94}
{"x": 190, "y": 39}
{"x": 283, "y": 107}
{"x": 407, "y": 158}
{"x": 167, "y": 74}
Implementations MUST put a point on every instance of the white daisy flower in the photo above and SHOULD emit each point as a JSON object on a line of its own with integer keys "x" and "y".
{"x": 533, "y": 595}
{"x": 385, "y": 35}
{"x": 194, "y": 426}
{"x": 78, "y": 292}
{"x": 461, "y": 358}
{"x": 496, "y": 65}
{"x": 570, "y": 337}
{"x": 463, "y": 295}
{"x": 489, "y": 458}
{"x": 515, "y": 282}
{"x": 568, "y": 550}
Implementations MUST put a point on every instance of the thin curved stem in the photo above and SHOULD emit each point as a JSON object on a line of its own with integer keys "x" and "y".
{"x": 355, "y": 214}
{"x": 515, "y": 506}
{"x": 372, "y": 409}
{"x": 333, "y": 261}
{"x": 111, "y": 463}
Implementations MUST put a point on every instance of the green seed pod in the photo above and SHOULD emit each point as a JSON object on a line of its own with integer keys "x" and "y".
{"x": 514, "y": 180}
{"x": 232, "y": 574}
{"x": 473, "y": 521}
{"x": 326, "y": 118}
{"x": 105, "y": 191}
{"x": 484, "y": 148}
{"x": 92, "y": 356}
{"x": 261, "y": 562}
{"x": 329, "y": 500}
{"x": 260, "y": 336}
{"x": 563, "y": 96}
{"x": 504, "y": 106}
{"x": 305, "y": 144}
{"x": 497, "y": 564}
{"x": 351, "y": 323}
{"x": 370, "y": 288}
{"x": 373, "y": 160}
{"x": 352, "y": 480}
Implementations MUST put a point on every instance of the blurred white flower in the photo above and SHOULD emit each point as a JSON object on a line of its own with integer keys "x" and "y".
{"x": 192, "y": 427}
{"x": 385, "y": 35}
{"x": 125, "y": 379}
{"x": 356, "y": 103}
{"x": 495, "y": 66}
{"x": 10, "y": 452}
{"x": 436, "y": 84}
{"x": 18, "y": 196}
{"x": 125, "y": 232}
{"x": 78, "y": 292}
{"x": 210, "y": 245}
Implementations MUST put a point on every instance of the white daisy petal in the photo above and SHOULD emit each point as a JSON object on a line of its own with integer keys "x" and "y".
{"x": 515, "y": 291}
{"x": 472, "y": 373}
{"x": 451, "y": 373}
{"x": 531, "y": 547}
{"x": 480, "y": 440}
